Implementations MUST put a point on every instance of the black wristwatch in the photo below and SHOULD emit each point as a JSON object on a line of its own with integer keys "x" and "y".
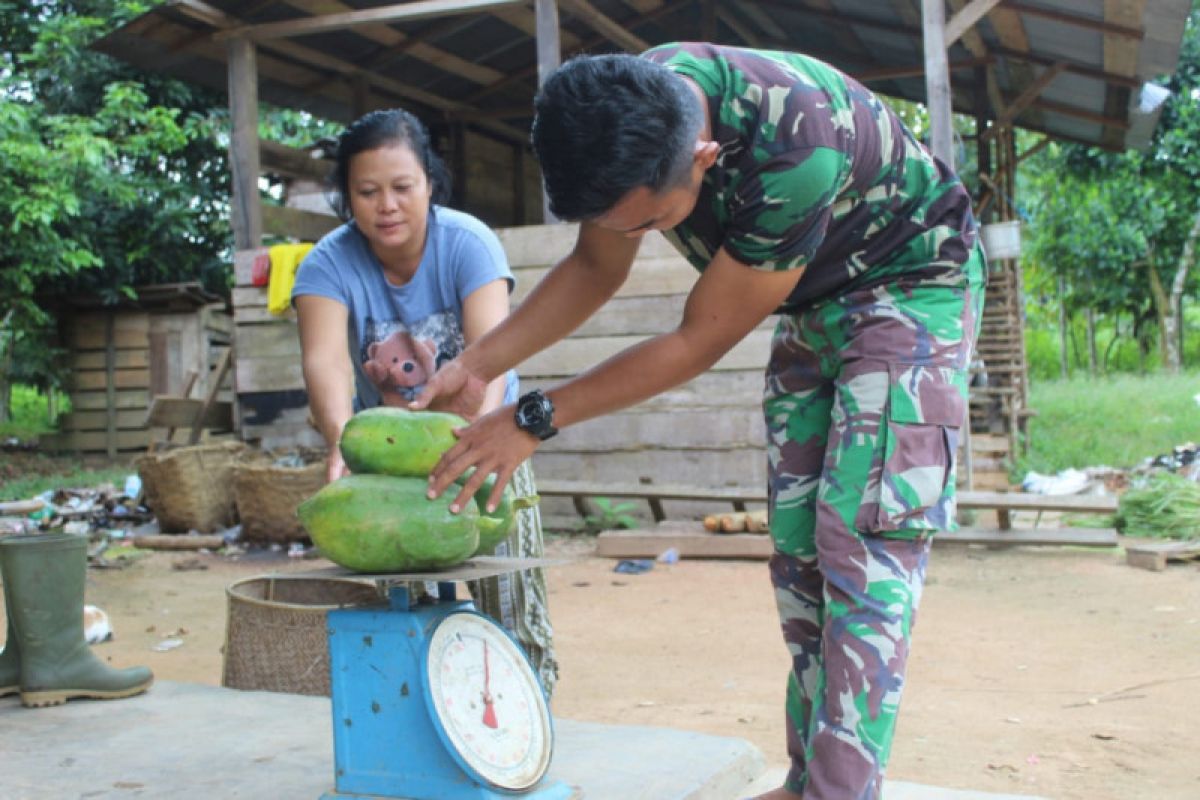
{"x": 535, "y": 414}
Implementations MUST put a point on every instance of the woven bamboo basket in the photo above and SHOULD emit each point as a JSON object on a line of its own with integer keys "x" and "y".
{"x": 191, "y": 488}
{"x": 275, "y": 634}
{"x": 267, "y": 496}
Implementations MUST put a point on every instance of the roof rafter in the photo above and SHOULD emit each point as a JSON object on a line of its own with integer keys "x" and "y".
{"x": 402, "y": 12}
{"x": 604, "y": 25}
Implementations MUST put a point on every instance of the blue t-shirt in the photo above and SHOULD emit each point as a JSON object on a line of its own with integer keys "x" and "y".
{"x": 400, "y": 335}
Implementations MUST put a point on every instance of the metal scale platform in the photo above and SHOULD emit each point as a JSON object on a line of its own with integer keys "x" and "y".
{"x": 432, "y": 700}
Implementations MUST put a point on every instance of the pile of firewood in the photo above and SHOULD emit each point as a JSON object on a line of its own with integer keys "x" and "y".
{"x": 737, "y": 522}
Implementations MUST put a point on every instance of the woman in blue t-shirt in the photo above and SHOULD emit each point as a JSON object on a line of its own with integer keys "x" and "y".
{"x": 404, "y": 285}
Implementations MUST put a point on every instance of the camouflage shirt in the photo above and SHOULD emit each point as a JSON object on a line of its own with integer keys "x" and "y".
{"x": 814, "y": 172}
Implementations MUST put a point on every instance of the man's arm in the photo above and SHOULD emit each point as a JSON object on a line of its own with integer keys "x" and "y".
{"x": 728, "y": 301}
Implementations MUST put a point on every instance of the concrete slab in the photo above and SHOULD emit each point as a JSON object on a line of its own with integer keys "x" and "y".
{"x": 186, "y": 741}
{"x": 892, "y": 790}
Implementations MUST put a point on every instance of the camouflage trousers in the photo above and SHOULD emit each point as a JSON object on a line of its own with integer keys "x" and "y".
{"x": 865, "y": 396}
{"x": 517, "y": 600}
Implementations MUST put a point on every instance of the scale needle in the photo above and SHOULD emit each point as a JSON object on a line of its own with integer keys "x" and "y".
{"x": 489, "y": 710}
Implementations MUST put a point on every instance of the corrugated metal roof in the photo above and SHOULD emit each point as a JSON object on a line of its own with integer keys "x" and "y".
{"x": 481, "y": 68}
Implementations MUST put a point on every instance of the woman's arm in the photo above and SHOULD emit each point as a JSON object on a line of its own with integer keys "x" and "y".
{"x": 328, "y": 373}
{"x": 482, "y": 310}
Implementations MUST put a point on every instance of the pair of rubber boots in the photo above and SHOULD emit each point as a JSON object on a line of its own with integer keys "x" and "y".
{"x": 46, "y": 657}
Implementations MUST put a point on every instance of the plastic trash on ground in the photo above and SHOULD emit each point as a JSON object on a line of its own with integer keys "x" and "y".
{"x": 1069, "y": 481}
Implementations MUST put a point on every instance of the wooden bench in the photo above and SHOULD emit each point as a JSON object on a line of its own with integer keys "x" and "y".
{"x": 1003, "y": 503}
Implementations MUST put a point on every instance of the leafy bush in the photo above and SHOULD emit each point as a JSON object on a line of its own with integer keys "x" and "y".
{"x": 612, "y": 515}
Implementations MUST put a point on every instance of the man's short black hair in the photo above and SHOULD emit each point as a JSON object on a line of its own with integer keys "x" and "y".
{"x": 607, "y": 125}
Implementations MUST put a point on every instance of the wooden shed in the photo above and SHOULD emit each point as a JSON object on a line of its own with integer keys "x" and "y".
{"x": 122, "y": 356}
{"x": 1074, "y": 70}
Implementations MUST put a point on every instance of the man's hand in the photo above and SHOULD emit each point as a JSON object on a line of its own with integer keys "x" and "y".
{"x": 492, "y": 445}
{"x": 453, "y": 389}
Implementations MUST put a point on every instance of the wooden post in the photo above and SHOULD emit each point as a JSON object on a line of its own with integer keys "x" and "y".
{"x": 937, "y": 81}
{"x": 549, "y": 54}
{"x": 245, "y": 210}
{"x": 983, "y": 146}
{"x": 518, "y": 186}
{"x": 110, "y": 384}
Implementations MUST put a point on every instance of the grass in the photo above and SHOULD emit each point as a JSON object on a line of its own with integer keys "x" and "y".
{"x": 65, "y": 473}
{"x": 30, "y": 414}
{"x": 26, "y": 474}
{"x": 1114, "y": 421}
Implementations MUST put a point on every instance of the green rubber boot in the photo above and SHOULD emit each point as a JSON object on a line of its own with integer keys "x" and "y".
{"x": 43, "y": 582}
{"x": 10, "y": 656}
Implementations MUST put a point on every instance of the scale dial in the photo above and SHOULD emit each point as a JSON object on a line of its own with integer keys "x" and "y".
{"x": 488, "y": 702}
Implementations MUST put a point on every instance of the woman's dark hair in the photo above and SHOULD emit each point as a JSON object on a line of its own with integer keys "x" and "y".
{"x": 606, "y": 125}
{"x": 385, "y": 128}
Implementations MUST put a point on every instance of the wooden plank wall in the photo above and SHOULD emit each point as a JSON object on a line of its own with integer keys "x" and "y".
{"x": 500, "y": 182}
{"x": 272, "y": 405}
{"x": 151, "y": 354}
{"x": 707, "y": 432}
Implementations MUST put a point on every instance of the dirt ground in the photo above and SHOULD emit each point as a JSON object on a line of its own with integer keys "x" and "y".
{"x": 1063, "y": 673}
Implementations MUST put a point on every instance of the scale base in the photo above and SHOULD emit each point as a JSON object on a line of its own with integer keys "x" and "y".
{"x": 556, "y": 790}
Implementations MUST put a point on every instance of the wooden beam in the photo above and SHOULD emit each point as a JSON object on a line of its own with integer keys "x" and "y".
{"x": 937, "y": 81}
{"x": 397, "y": 44}
{"x": 1026, "y": 98}
{"x": 292, "y": 162}
{"x": 549, "y": 56}
{"x": 1071, "y": 66}
{"x": 403, "y": 12}
{"x": 564, "y": 37}
{"x": 1110, "y": 28}
{"x": 1081, "y": 113}
{"x": 605, "y": 26}
{"x": 965, "y": 19}
{"x": 1034, "y": 150}
{"x": 917, "y": 70}
{"x": 245, "y": 215}
{"x": 313, "y": 57}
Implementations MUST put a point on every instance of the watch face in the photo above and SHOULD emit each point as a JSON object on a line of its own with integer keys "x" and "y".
{"x": 488, "y": 701}
{"x": 534, "y": 414}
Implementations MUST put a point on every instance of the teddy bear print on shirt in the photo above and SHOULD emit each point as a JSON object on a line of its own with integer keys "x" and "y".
{"x": 399, "y": 360}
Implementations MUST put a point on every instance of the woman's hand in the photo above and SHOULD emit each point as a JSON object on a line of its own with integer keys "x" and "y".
{"x": 453, "y": 388}
{"x": 335, "y": 466}
{"x": 492, "y": 445}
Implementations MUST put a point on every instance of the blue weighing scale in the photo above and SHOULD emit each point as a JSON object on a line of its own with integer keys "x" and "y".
{"x": 434, "y": 701}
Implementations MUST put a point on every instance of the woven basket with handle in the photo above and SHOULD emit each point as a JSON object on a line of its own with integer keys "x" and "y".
{"x": 191, "y": 488}
{"x": 267, "y": 496}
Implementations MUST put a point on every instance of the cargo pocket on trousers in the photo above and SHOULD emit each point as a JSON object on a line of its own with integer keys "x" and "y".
{"x": 918, "y": 448}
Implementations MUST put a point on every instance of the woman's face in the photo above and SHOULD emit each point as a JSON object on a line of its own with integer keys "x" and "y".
{"x": 389, "y": 197}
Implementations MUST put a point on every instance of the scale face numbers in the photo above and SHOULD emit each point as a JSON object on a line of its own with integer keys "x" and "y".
{"x": 488, "y": 702}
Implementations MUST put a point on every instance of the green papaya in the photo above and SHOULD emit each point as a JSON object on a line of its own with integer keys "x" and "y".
{"x": 385, "y": 523}
{"x": 496, "y": 526}
{"x": 395, "y": 441}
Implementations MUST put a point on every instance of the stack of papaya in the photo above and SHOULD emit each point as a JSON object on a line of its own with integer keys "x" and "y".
{"x": 379, "y": 520}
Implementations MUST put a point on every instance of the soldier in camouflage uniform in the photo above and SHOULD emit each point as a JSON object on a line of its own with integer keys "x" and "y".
{"x": 796, "y": 192}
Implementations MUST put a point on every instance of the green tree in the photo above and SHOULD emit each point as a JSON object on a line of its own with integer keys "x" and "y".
{"x": 1118, "y": 231}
